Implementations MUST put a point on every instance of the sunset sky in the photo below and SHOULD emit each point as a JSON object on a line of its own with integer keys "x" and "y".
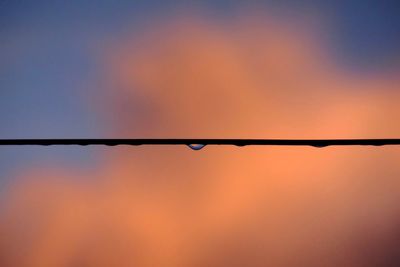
{"x": 219, "y": 69}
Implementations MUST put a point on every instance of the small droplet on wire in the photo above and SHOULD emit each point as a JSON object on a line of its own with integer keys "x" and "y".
{"x": 196, "y": 146}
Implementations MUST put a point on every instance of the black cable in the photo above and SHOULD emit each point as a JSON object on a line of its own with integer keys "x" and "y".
{"x": 202, "y": 142}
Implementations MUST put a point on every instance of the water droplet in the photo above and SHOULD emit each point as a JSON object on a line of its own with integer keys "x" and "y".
{"x": 196, "y": 146}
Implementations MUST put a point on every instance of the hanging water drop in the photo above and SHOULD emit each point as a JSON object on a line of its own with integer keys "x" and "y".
{"x": 196, "y": 146}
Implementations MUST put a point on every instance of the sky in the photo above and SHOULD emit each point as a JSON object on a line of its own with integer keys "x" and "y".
{"x": 204, "y": 69}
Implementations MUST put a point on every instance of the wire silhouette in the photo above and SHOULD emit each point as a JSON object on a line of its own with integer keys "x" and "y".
{"x": 197, "y": 144}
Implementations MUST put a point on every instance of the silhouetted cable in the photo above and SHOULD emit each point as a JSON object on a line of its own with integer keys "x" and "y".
{"x": 203, "y": 142}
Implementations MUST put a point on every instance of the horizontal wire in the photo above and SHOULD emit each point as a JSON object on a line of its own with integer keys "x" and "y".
{"x": 235, "y": 142}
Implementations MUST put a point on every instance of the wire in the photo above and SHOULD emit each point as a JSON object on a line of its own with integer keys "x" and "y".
{"x": 203, "y": 142}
